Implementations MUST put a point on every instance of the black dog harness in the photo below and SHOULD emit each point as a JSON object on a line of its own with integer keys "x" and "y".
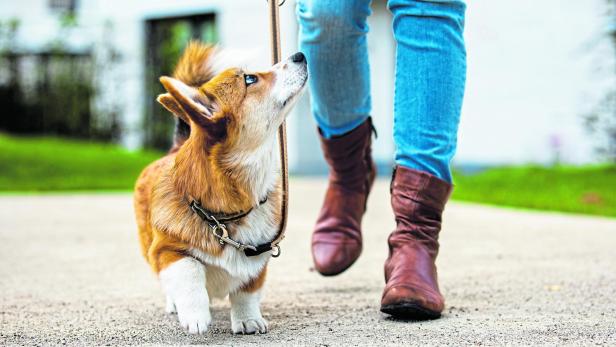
{"x": 218, "y": 226}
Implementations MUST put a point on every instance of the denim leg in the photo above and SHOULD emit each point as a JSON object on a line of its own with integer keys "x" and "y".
{"x": 332, "y": 35}
{"x": 430, "y": 78}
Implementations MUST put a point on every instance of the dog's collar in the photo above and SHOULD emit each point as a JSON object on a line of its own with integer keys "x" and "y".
{"x": 220, "y": 217}
{"x": 218, "y": 221}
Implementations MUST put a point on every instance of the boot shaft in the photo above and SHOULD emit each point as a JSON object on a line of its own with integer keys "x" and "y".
{"x": 418, "y": 200}
{"x": 349, "y": 156}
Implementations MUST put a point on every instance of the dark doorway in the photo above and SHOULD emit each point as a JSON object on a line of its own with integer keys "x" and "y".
{"x": 166, "y": 38}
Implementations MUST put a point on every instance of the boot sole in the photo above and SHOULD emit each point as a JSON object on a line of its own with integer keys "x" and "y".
{"x": 409, "y": 311}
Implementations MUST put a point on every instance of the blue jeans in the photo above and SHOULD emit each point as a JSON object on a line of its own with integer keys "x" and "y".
{"x": 430, "y": 74}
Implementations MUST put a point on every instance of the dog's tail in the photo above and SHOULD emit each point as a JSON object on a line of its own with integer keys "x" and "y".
{"x": 196, "y": 66}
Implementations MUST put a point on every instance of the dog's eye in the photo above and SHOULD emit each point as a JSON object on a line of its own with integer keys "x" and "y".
{"x": 250, "y": 79}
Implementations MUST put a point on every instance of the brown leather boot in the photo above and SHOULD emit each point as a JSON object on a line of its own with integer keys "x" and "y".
{"x": 411, "y": 289}
{"x": 336, "y": 240}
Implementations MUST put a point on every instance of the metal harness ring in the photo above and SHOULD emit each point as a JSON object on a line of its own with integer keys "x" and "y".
{"x": 277, "y": 254}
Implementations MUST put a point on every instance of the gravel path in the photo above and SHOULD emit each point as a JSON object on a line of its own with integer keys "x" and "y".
{"x": 71, "y": 273}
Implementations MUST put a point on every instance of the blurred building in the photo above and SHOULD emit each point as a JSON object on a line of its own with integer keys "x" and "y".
{"x": 534, "y": 69}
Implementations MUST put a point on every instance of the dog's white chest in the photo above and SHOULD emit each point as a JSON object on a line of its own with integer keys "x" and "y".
{"x": 232, "y": 268}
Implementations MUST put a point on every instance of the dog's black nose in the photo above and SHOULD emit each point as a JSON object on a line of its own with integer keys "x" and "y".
{"x": 298, "y": 57}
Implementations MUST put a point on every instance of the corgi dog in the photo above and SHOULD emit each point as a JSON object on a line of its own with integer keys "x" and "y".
{"x": 209, "y": 210}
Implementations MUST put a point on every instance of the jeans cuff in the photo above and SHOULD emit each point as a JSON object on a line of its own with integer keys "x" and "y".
{"x": 328, "y": 131}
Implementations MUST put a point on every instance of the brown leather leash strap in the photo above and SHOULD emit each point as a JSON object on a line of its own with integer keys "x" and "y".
{"x": 282, "y": 131}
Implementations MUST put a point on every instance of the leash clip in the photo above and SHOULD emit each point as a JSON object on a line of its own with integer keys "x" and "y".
{"x": 223, "y": 236}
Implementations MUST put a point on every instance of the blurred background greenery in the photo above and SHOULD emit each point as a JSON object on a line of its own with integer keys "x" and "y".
{"x": 64, "y": 108}
{"x": 51, "y": 164}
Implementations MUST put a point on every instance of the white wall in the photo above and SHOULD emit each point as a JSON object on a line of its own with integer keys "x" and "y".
{"x": 533, "y": 70}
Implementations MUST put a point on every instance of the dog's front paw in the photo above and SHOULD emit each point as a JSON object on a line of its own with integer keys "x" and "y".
{"x": 195, "y": 319}
{"x": 249, "y": 326}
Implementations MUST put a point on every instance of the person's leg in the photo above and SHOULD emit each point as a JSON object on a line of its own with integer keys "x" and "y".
{"x": 332, "y": 35}
{"x": 430, "y": 77}
{"x": 333, "y": 38}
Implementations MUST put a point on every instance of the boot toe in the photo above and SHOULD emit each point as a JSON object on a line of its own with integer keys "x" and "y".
{"x": 408, "y": 302}
{"x": 331, "y": 259}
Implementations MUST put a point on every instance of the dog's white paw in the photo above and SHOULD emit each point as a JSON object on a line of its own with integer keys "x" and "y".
{"x": 249, "y": 326}
{"x": 195, "y": 319}
{"x": 184, "y": 283}
{"x": 246, "y": 315}
{"x": 170, "y": 306}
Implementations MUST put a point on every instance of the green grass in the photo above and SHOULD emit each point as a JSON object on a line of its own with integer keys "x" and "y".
{"x": 36, "y": 164}
{"x": 42, "y": 164}
{"x": 584, "y": 189}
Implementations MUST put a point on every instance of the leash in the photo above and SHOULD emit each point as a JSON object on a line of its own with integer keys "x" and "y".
{"x": 282, "y": 130}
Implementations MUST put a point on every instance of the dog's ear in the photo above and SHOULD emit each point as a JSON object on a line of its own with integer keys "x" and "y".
{"x": 196, "y": 105}
{"x": 172, "y": 106}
